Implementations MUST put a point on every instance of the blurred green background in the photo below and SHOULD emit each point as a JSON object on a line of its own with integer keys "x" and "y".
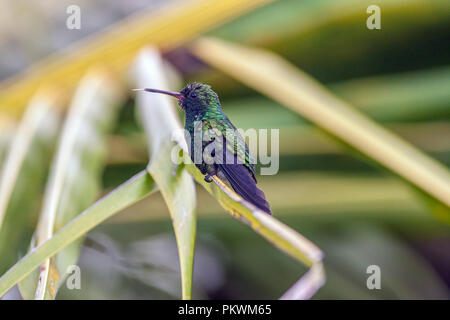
{"x": 357, "y": 212}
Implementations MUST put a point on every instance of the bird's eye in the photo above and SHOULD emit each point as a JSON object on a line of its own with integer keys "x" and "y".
{"x": 193, "y": 95}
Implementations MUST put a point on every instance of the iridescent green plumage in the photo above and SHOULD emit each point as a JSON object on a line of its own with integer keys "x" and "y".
{"x": 204, "y": 116}
{"x": 215, "y": 146}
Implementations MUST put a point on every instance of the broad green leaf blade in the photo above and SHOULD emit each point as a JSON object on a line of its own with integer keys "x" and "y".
{"x": 131, "y": 191}
{"x": 176, "y": 184}
{"x": 276, "y": 78}
{"x": 24, "y": 174}
{"x": 76, "y": 170}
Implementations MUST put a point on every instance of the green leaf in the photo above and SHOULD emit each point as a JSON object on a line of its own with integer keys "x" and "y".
{"x": 133, "y": 190}
{"x": 24, "y": 174}
{"x": 176, "y": 184}
{"x": 75, "y": 174}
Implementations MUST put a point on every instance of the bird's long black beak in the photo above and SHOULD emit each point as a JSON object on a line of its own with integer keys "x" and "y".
{"x": 177, "y": 95}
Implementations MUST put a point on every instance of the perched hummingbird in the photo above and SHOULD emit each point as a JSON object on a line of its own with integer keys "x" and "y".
{"x": 204, "y": 116}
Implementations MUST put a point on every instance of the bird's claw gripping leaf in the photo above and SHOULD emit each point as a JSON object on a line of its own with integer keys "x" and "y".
{"x": 208, "y": 178}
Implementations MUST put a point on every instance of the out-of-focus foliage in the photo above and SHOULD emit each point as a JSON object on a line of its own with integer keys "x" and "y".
{"x": 115, "y": 48}
{"x": 74, "y": 179}
{"x": 126, "y": 194}
{"x": 279, "y": 80}
{"x": 23, "y": 175}
{"x": 358, "y": 213}
{"x": 329, "y": 39}
{"x": 6, "y": 136}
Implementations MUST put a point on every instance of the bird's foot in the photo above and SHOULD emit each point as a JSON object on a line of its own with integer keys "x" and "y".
{"x": 208, "y": 177}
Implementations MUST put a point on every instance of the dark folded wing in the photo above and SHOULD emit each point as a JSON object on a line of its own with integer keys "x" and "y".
{"x": 223, "y": 127}
{"x": 243, "y": 183}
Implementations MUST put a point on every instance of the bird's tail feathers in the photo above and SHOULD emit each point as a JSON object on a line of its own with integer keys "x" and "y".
{"x": 244, "y": 185}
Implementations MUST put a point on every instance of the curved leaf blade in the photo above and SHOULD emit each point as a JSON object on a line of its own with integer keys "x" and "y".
{"x": 39, "y": 123}
{"x": 24, "y": 174}
{"x": 176, "y": 184}
{"x": 133, "y": 190}
{"x": 281, "y": 236}
{"x": 75, "y": 173}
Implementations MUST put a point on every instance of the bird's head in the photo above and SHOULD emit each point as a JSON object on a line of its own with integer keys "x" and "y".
{"x": 194, "y": 98}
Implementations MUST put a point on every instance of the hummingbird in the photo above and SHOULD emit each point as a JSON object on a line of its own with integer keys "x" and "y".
{"x": 227, "y": 154}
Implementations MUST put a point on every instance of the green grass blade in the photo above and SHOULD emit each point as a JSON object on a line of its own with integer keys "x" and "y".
{"x": 39, "y": 123}
{"x": 175, "y": 183}
{"x": 273, "y": 76}
{"x": 24, "y": 175}
{"x": 75, "y": 174}
{"x": 123, "y": 196}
